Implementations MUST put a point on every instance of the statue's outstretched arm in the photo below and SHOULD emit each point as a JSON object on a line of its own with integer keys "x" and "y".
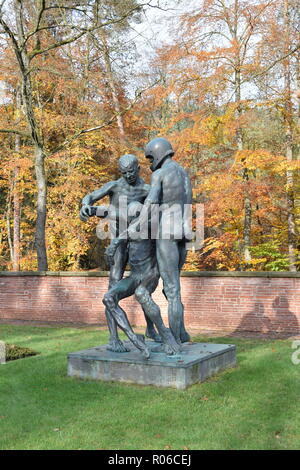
{"x": 86, "y": 209}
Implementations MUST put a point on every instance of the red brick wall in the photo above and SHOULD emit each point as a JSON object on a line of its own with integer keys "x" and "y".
{"x": 213, "y": 301}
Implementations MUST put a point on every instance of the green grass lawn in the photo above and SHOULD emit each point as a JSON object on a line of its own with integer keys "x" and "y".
{"x": 254, "y": 406}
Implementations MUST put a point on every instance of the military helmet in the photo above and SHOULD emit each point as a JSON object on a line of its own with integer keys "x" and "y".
{"x": 157, "y": 150}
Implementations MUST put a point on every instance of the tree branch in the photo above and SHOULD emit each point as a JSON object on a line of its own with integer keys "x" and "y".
{"x": 84, "y": 31}
{"x": 14, "y": 131}
{"x": 288, "y": 54}
{"x": 33, "y": 54}
{"x": 40, "y": 14}
{"x": 106, "y": 123}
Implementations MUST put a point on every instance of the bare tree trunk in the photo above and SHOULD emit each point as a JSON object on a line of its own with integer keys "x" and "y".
{"x": 17, "y": 213}
{"x": 240, "y": 146}
{"x": 298, "y": 98}
{"x": 27, "y": 100}
{"x": 288, "y": 123}
{"x": 8, "y": 227}
{"x": 247, "y": 228}
{"x": 112, "y": 85}
{"x": 40, "y": 232}
{"x": 297, "y": 198}
{"x": 16, "y": 198}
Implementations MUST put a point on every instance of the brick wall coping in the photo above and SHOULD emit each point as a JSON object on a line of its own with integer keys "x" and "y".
{"x": 264, "y": 274}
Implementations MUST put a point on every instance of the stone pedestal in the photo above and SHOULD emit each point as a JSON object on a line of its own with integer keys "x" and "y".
{"x": 195, "y": 363}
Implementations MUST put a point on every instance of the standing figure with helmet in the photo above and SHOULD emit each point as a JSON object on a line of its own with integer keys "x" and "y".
{"x": 170, "y": 189}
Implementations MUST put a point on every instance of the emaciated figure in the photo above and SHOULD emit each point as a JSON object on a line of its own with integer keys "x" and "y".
{"x": 131, "y": 186}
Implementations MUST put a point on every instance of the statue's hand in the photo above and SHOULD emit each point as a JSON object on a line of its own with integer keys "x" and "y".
{"x": 85, "y": 212}
{"x": 101, "y": 211}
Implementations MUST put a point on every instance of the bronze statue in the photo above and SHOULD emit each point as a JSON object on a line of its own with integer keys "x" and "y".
{"x": 132, "y": 188}
{"x": 160, "y": 253}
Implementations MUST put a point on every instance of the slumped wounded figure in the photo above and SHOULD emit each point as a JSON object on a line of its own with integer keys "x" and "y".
{"x": 142, "y": 282}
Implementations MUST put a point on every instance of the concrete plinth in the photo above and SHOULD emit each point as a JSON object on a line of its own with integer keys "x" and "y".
{"x": 195, "y": 363}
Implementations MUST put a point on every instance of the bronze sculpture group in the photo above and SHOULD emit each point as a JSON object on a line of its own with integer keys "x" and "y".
{"x": 156, "y": 210}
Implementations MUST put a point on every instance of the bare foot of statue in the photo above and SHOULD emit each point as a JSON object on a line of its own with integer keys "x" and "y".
{"x": 152, "y": 334}
{"x": 166, "y": 349}
{"x": 170, "y": 344}
{"x": 140, "y": 344}
{"x": 169, "y": 351}
{"x": 116, "y": 345}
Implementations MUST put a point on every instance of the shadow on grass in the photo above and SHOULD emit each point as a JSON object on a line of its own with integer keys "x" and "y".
{"x": 252, "y": 406}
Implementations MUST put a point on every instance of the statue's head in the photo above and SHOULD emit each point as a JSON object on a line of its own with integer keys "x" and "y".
{"x": 157, "y": 150}
{"x": 129, "y": 168}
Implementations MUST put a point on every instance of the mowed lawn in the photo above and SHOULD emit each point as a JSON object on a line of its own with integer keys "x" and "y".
{"x": 254, "y": 406}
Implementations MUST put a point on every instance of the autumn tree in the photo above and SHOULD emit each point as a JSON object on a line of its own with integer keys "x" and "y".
{"x": 279, "y": 61}
{"x": 34, "y": 29}
{"x": 215, "y": 71}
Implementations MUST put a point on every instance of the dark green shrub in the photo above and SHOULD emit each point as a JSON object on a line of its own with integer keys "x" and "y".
{"x": 14, "y": 352}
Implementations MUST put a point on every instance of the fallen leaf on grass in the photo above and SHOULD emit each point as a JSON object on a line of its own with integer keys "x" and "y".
{"x": 205, "y": 398}
{"x": 158, "y": 436}
{"x": 168, "y": 447}
{"x": 56, "y": 429}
